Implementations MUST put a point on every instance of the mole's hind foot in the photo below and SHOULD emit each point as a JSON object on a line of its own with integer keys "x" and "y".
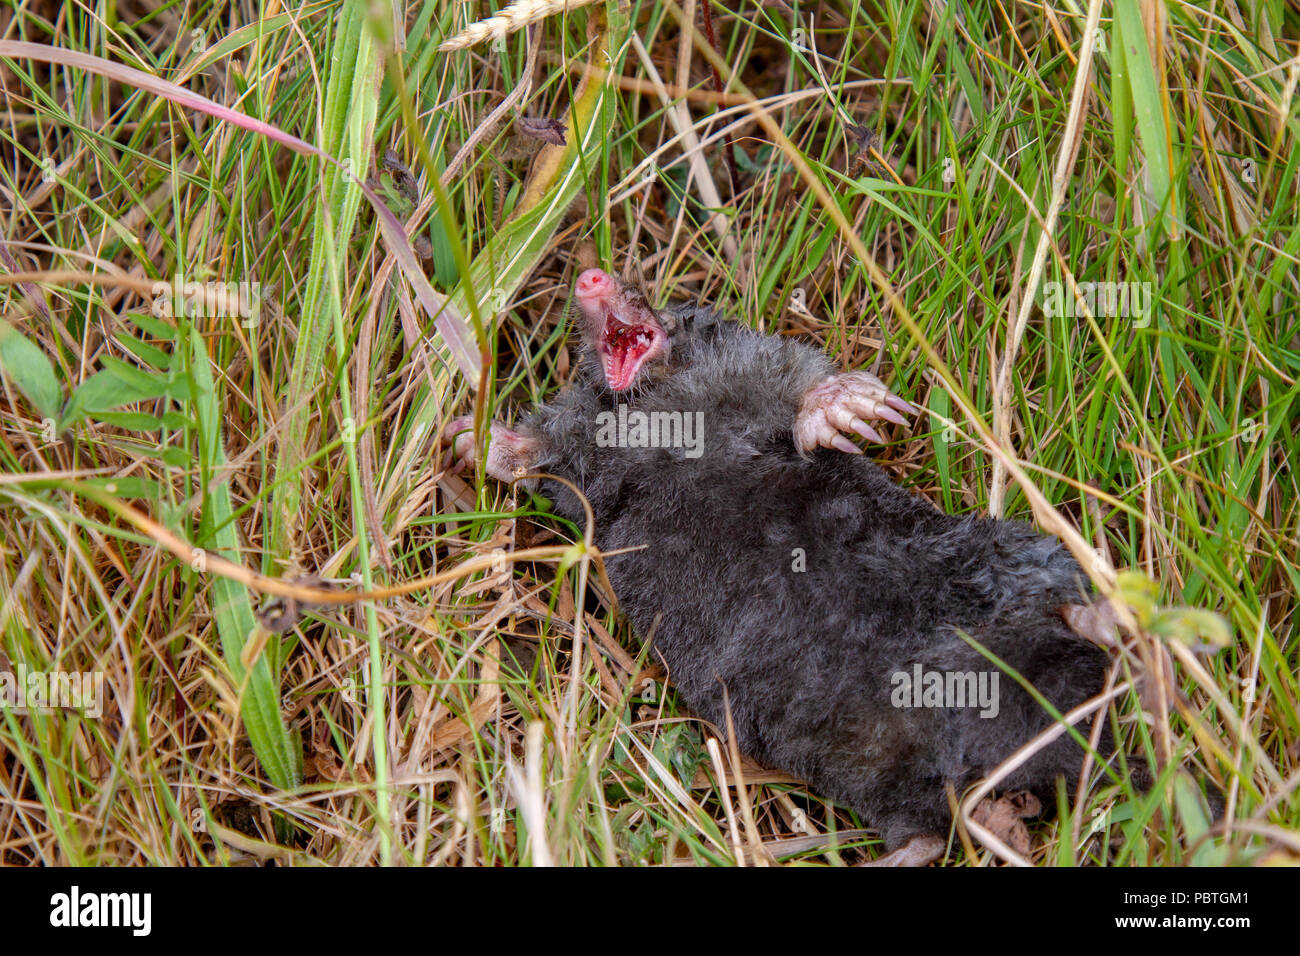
{"x": 510, "y": 454}
{"x": 1097, "y": 622}
{"x": 840, "y": 404}
{"x": 918, "y": 851}
{"x": 1005, "y": 818}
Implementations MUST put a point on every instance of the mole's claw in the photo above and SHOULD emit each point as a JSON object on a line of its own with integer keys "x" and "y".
{"x": 840, "y": 443}
{"x": 845, "y": 420}
{"x": 889, "y": 415}
{"x": 904, "y": 406}
{"x": 842, "y": 402}
{"x": 865, "y": 430}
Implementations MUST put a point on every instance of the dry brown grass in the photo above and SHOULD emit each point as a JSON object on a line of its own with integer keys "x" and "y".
{"x": 521, "y": 721}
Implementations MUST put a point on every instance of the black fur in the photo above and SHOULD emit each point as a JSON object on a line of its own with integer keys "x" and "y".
{"x": 807, "y": 658}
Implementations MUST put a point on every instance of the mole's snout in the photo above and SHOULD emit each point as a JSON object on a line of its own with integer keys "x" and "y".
{"x": 616, "y": 319}
{"x": 595, "y": 284}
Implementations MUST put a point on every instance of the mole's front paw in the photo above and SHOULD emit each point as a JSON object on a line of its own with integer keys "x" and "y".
{"x": 509, "y": 456}
{"x": 839, "y": 404}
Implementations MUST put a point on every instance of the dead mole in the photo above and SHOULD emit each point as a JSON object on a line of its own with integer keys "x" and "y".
{"x": 783, "y": 572}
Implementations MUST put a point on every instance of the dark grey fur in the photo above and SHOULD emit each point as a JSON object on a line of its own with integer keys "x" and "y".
{"x": 807, "y": 658}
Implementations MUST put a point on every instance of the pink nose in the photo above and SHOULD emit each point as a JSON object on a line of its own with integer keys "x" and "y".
{"x": 594, "y": 283}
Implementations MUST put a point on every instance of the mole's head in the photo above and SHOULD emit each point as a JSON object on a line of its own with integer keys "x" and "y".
{"x": 630, "y": 340}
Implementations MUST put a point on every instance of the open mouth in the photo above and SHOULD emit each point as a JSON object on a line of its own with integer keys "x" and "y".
{"x": 625, "y": 347}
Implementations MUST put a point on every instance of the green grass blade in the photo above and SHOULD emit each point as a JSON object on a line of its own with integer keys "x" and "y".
{"x": 1151, "y": 108}
{"x": 351, "y": 100}
{"x": 258, "y": 686}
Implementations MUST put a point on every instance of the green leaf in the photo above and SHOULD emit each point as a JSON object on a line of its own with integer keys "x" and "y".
{"x": 232, "y": 607}
{"x": 131, "y": 421}
{"x": 444, "y": 260}
{"x": 128, "y": 487}
{"x": 146, "y": 383}
{"x": 23, "y": 362}
{"x": 818, "y": 251}
{"x": 153, "y": 325}
{"x": 1199, "y": 629}
{"x": 1150, "y": 107}
{"x": 683, "y": 749}
{"x": 177, "y": 457}
{"x": 109, "y": 389}
{"x": 1140, "y": 593}
{"x": 1121, "y": 104}
{"x": 150, "y": 355}
{"x": 347, "y": 131}
{"x": 177, "y": 422}
{"x": 1196, "y": 821}
{"x": 178, "y": 389}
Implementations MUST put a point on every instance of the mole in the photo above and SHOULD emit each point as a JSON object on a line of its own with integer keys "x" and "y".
{"x": 783, "y": 576}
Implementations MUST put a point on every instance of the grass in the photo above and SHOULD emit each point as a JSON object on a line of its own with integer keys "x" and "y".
{"x": 492, "y": 711}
